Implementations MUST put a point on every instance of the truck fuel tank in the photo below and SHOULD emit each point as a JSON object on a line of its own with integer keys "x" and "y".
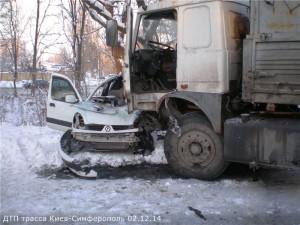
{"x": 263, "y": 140}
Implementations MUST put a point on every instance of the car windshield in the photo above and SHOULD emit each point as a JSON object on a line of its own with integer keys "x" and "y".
{"x": 157, "y": 30}
{"x": 108, "y": 86}
{"x": 98, "y": 92}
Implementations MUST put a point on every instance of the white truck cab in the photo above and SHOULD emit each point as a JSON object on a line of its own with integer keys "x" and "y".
{"x": 185, "y": 48}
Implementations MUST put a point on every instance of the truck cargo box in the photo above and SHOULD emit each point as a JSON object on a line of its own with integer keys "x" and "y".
{"x": 271, "y": 55}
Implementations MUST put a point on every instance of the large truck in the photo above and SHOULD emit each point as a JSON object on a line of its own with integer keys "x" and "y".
{"x": 222, "y": 77}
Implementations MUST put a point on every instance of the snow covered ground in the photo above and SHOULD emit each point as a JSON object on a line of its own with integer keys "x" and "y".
{"x": 34, "y": 183}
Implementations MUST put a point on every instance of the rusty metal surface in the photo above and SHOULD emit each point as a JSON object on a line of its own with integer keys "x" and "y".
{"x": 277, "y": 17}
{"x": 271, "y": 71}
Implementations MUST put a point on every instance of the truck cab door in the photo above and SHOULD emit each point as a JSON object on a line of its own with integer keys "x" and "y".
{"x": 62, "y": 96}
{"x": 202, "y": 54}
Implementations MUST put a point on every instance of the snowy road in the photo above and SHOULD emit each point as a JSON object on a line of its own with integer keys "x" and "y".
{"x": 34, "y": 183}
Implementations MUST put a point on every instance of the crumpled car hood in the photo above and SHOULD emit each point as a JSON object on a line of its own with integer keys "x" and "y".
{"x": 106, "y": 114}
{"x": 98, "y": 108}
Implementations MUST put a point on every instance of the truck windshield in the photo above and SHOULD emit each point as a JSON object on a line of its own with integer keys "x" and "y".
{"x": 157, "y": 31}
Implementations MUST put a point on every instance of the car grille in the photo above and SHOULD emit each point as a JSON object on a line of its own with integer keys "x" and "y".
{"x": 97, "y": 127}
{"x": 122, "y": 127}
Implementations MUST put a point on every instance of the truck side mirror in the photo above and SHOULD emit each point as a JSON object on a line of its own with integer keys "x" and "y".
{"x": 112, "y": 33}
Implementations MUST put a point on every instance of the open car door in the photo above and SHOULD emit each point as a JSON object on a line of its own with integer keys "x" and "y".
{"x": 62, "y": 96}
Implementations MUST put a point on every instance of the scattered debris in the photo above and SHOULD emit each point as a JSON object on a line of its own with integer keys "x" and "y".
{"x": 197, "y": 212}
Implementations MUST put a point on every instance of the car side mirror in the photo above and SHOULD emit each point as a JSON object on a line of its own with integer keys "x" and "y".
{"x": 71, "y": 99}
{"x": 112, "y": 33}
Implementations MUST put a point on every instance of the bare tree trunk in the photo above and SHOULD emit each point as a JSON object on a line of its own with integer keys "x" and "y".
{"x": 35, "y": 48}
{"x": 78, "y": 60}
{"x": 77, "y": 17}
{"x": 14, "y": 42}
{"x": 15, "y": 74}
{"x": 15, "y": 57}
{"x": 79, "y": 70}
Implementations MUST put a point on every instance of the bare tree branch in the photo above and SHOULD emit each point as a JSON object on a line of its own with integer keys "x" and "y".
{"x": 99, "y": 11}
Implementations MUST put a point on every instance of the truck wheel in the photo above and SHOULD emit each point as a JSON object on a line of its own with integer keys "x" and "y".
{"x": 198, "y": 151}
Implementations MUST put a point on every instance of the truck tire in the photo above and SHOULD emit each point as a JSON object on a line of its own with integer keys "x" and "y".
{"x": 197, "y": 151}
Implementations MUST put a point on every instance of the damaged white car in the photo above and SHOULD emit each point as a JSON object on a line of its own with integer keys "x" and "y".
{"x": 99, "y": 123}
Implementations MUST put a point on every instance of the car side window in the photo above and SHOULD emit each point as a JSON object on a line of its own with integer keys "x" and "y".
{"x": 60, "y": 88}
